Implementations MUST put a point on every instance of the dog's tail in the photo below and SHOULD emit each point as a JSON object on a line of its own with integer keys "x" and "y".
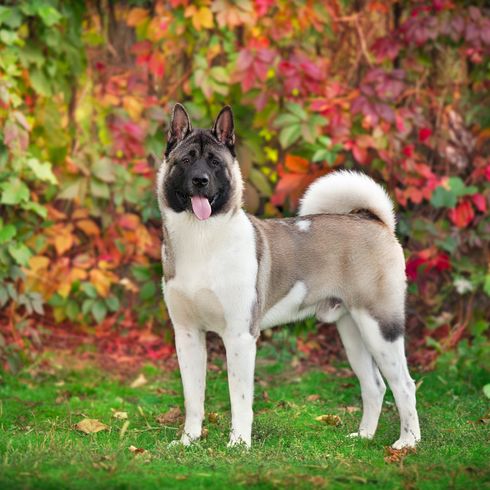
{"x": 343, "y": 192}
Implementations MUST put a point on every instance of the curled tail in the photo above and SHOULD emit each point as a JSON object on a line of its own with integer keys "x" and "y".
{"x": 345, "y": 191}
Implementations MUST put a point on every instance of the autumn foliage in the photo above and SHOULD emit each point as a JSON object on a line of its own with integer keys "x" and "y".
{"x": 397, "y": 89}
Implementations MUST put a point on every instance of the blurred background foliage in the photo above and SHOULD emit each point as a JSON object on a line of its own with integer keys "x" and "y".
{"x": 398, "y": 89}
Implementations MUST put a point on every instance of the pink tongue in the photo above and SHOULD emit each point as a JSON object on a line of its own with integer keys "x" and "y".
{"x": 201, "y": 207}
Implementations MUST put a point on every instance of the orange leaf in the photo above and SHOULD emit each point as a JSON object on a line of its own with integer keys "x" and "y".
{"x": 201, "y": 18}
{"x": 136, "y": 16}
{"x": 297, "y": 164}
{"x": 64, "y": 241}
{"x": 88, "y": 227}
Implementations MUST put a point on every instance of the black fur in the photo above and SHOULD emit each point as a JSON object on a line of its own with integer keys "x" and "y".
{"x": 197, "y": 155}
{"x": 392, "y": 329}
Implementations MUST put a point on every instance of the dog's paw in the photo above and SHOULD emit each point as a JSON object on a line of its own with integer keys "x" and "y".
{"x": 405, "y": 442}
{"x": 185, "y": 441}
{"x": 361, "y": 435}
{"x": 239, "y": 442}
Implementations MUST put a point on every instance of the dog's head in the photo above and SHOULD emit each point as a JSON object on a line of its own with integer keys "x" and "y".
{"x": 200, "y": 173}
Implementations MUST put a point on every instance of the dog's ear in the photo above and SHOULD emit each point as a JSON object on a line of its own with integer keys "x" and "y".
{"x": 224, "y": 127}
{"x": 180, "y": 125}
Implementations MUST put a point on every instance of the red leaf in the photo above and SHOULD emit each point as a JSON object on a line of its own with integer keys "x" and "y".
{"x": 297, "y": 164}
{"x": 462, "y": 215}
{"x": 480, "y": 202}
{"x": 424, "y": 134}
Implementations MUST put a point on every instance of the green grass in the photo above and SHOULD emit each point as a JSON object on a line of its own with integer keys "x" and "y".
{"x": 41, "y": 449}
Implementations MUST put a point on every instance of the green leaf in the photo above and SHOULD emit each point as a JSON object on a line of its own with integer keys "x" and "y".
{"x": 20, "y": 253}
{"x": 8, "y": 37}
{"x": 286, "y": 120}
{"x": 297, "y": 110}
{"x": 486, "y": 390}
{"x": 442, "y": 198}
{"x": 99, "y": 189}
{"x": 40, "y": 82}
{"x": 260, "y": 182}
{"x": 103, "y": 169}
{"x": 289, "y": 135}
{"x": 14, "y": 191}
{"x": 72, "y": 309}
{"x": 42, "y": 170}
{"x": 39, "y": 209}
{"x": 10, "y": 16}
{"x": 99, "y": 310}
{"x": 89, "y": 289}
{"x": 49, "y": 15}
{"x": 7, "y": 233}
{"x": 148, "y": 291}
{"x": 112, "y": 303}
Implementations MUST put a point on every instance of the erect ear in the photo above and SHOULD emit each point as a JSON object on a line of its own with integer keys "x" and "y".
{"x": 224, "y": 128}
{"x": 180, "y": 125}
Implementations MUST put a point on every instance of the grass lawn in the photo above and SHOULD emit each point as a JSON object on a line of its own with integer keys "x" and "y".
{"x": 40, "y": 448}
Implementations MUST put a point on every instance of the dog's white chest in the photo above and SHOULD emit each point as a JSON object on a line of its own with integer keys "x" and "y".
{"x": 215, "y": 271}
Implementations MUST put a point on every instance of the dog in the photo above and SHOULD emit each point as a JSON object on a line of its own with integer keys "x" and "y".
{"x": 228, "y": 272}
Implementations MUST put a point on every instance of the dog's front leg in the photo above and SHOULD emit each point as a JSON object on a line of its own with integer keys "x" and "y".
{"x": 240, "y": 359}
{"x": 191, "y": 353}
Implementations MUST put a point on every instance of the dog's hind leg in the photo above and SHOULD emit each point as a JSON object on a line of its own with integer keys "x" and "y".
{"x": 191, "y": 353}
{"x": 240, "y": 360}
{"x": 388, "y": 351}
{"x": 363, "y": 365}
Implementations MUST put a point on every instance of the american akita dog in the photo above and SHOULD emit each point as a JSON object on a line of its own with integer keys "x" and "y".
{"x": 228, "y": 272}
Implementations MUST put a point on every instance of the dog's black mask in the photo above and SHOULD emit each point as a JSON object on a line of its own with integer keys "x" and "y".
{"x": 199, "y": 177}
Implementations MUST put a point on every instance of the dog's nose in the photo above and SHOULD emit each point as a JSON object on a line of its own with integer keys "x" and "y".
{"x": 201, "y": 181}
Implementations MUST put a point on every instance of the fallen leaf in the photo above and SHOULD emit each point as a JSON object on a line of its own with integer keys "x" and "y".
{"x": 204, "y": 433}
{"x": 119, "y": 415}
{"x": 313, "y": 398}
{"x": 91, "y": 426}
{"x": 169, "y": 417}
{"x": 137, "y": 450}
{"x": 213, "y": 417}
{"x": 352, "y": 409}
{"x": 397, "y": 455}
{"x": 139, "y": 381}
{"x": 265, "y": 396}
{"x": 328, "y": 419}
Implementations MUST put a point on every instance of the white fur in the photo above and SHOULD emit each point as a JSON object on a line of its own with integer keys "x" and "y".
{"x": 287, "y": 309}
{"x": 206, "y": 252}
{"x": 303, "y": 225}
{"x": 343, "y": 191}
{"x": 390, "y": 358}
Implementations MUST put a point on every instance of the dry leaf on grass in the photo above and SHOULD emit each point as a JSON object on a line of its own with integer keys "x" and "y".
{"x": 397, "y": 455}
{"x": 91, "y": 426}
{"x": 213, "y": 417}
{"x": 352, "y": 409}
{"x": 139, "y": 381}
{"x": 119, "y": 415}
{"x": 173, "y": 415}
{"x": 313, "y": 398}
{"x": 328, "y": 419}
{"x": 137, "y": 450}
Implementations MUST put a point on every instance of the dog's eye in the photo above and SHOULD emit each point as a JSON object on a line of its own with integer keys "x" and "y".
{"x": 215, "y": 162}
{"x": 186, "y": 161}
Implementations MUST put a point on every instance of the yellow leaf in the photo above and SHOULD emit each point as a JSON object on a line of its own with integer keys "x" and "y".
{"x": 102, "y": 281}
{"x": 201, "y": 18}
{"x": 329, "y": 420}
{"x": 63, "y": 242}
{"x": 88, "y": 226}
{"x": 120, "y": 415}
{"x": 38, "y": 262}
{"x": 90, "y": 426}
{"x": 133, "y": 107}
{"x": 136, "y": 16}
